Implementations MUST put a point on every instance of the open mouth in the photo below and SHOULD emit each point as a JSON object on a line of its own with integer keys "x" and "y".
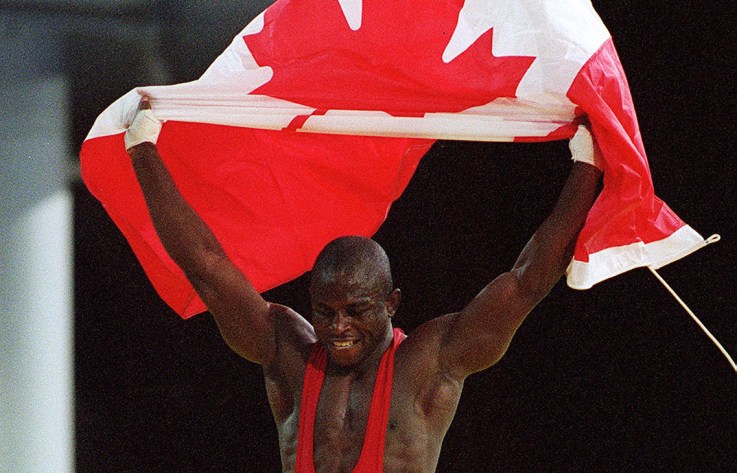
{"x": 343, "y": 344}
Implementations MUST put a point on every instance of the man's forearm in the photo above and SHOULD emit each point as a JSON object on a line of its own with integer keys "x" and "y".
{"x": 182, "y": 232}
{"x": 547, "y": 254}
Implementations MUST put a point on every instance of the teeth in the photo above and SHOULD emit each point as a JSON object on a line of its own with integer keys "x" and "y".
{"x": 345, "y": 344}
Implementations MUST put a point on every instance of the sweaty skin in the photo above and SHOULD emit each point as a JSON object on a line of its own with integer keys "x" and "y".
{"x": 352, "y": 303}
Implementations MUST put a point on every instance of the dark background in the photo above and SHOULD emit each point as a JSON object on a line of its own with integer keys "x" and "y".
{"x": 617, "y": 378}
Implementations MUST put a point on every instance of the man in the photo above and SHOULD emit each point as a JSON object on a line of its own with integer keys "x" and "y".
{"x": 348, "y": 392}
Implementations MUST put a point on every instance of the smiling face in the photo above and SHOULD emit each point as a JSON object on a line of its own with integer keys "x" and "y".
{"x": 352, "y": 321}
{"x": 352, "y": 301}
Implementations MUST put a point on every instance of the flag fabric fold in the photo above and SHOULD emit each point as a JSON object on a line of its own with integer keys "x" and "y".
{"x": 312, "y": 122}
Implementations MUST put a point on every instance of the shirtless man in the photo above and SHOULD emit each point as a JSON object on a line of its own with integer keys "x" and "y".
{"x": 352, "y": 301}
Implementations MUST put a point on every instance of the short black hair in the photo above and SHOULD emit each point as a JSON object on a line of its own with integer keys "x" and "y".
{"x": 351, "y": 255}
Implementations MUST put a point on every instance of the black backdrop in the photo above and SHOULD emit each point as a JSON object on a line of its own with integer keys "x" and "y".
{"x": 617, "y": 378}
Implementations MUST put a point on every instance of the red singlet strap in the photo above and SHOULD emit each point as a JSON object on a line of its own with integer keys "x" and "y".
{"x": 372, "y": 452}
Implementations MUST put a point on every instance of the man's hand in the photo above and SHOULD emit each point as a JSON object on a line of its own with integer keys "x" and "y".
{"x": 583, "y": 147}
{"x": 145, "y": 127}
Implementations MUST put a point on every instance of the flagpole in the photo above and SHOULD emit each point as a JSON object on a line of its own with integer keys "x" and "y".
{"x": 696, "y": 319}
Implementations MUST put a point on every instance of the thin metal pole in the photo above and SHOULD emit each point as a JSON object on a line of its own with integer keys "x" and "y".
{"x": 696, "y": 319}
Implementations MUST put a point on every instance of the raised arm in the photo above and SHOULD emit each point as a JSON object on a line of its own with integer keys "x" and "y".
{"x": 242, "y": 315}
{"x": 479, "y": 335}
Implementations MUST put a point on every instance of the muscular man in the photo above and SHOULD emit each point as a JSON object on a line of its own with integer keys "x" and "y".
{"x": 345, "y": 394}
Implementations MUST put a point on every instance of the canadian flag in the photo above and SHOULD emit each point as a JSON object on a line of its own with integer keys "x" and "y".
{"x": 312, "y": 122}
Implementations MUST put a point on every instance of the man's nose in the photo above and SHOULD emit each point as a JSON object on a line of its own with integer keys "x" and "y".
{"x": 340, "y": 322}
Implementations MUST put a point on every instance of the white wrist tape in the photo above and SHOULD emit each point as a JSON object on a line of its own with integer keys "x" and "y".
{"x": 583, "y": 148}
{"x": 144, "y": 128}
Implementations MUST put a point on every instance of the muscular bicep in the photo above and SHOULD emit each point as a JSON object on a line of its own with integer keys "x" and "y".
{"x": 479, "y": 335}
{"x": 244, "y": 318}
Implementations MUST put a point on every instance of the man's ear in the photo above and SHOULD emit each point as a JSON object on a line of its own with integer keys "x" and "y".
{"x": 393, "y": 301}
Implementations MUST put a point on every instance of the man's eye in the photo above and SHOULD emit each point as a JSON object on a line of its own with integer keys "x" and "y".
{"x": 359, "y": 311}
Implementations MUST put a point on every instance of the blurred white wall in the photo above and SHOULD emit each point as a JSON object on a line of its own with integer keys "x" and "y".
{"x": 37, "y": 164}
{"x": 36, "y": 337}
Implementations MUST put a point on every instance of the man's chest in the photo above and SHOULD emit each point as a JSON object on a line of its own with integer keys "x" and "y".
{"x": 342, "y": 419}
{"x": 351, "y": 418}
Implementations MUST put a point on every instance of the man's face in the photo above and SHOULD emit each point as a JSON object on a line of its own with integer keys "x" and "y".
{"x": 352, "y": 318}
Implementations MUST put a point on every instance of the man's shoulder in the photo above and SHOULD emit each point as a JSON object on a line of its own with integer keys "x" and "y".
{"x": 286, "y": 320}
{"x": 422, "y": 345}
{"x": 430, "y": 332}
{"x": 295, "y": 336}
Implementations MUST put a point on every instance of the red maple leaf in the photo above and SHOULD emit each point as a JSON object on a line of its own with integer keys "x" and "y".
{"x": 392, "y": 63}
